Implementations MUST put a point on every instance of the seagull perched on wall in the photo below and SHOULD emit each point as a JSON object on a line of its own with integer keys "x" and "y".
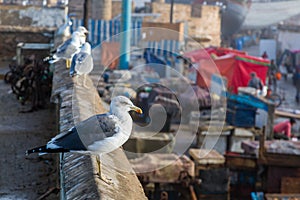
{"x": 82, "y": 62}
{"x": 96, "y": 135}
{"x": 83, "y": 31}
{"x": 68, "y": 48}
{"x": 64, "y": 29}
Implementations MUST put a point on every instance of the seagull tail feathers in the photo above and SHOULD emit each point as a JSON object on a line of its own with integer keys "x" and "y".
{"x": 44, "y": 150}
{"x": 51, "y": 59}
{"x": 41, "y": 149}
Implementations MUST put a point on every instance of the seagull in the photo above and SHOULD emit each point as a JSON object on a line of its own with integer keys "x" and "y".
{"x": 67, "y": 49}
{"x": 82, "y": 62}
{"x": 71, "y": 46}
{"x": 64, "y": 29}
{"x": 96, "y": 135}
{"x": 83, "y": 31}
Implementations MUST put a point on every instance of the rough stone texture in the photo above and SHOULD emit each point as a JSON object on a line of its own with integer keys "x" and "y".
{"x": 208, "y": 25}
{"x": 31, "y": 16}
{"x": 103, "y": 9}
{"x": 175, "y": 31}
{"x": 27, "y": 24}
{"x": 116, "y": 8}
{"x": 11, "y": 39}
{"x": 76, "y": 7}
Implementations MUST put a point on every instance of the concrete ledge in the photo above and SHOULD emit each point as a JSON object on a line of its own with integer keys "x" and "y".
{"x": 26, "y": 29}
{"x": 78, "y": 172}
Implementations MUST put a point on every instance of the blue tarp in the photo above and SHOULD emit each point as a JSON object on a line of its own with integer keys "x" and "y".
{"x": 248, "y": 100}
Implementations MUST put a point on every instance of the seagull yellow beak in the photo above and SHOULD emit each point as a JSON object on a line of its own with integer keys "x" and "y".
{"x": 136, "y": 109}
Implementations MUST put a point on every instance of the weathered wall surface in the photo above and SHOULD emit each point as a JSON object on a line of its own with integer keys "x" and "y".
{"x": 10, "y": 40}
{"x": 27, "y": 24}
{"x": 103, "y": 9}
{"x": 31, "y": 16}
{"x": 175, "y": 31}
{"x": 203, "y": 21}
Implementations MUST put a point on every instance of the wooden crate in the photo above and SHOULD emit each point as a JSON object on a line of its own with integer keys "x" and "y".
{"x": 240, "y": 135}
{"x": 206, "y": 159}
{"x": 240, "y": 161}
{"x": 290, "y": 185}
{"x": 282, "y": 196}
{"x": 146, "y": 142}
{"x": 161, "y": 168}
{"x": 274, "y": 176}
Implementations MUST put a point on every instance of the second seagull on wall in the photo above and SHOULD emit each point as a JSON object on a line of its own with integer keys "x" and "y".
{"x": 82, "y": 63}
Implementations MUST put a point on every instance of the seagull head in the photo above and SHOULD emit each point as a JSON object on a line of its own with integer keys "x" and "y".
{"x": 82, "y": 29}
{"x": 79, "y": 36}
{"x": 76, "y": 38}
{"x": 69, "y": 22}
{"x": 123, "y": 104}
{"x": 86, "y": 48}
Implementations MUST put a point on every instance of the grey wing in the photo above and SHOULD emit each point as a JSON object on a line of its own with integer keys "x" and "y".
{"x": 84, "y": 63}
{"x": 62, "y": 48}
{"x": 97, "y": 128}
{"x": 66, "y": 50}
{"x": 79, "y": 137}
{"x": 68, "y": 141}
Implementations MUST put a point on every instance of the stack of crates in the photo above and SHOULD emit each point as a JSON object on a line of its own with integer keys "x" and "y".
{"x": 240, "y": 114}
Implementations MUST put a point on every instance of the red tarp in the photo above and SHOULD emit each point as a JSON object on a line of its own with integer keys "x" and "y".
{"x": 236, "y": 67}
{"x": 206, "y": 53}
{"x": 199, "y": 54}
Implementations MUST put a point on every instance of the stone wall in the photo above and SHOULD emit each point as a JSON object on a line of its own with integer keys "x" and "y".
{"x": 27, "y": 24}
{"x": 78, "y": 173}
{"x": 11, "y": 39}
{"x": 103, "y": 9}
{"x": 164, "y": 31}
{"x": 116, "y": 8}
{"x": 207, "y": 26}
{"x": 31, "y": 16}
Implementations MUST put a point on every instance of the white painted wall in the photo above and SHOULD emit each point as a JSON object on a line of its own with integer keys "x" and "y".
{"x": 289, "y": 40}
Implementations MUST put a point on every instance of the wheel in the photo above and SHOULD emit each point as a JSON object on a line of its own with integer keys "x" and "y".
{"x": 276, "y": 99}
{"x": 8, "y": 77}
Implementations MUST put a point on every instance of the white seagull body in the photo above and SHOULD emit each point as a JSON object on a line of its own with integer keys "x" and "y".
{"x": 82, "y": 62}
{"x": 67, "y": 49}
{"x": 98, "y": 134}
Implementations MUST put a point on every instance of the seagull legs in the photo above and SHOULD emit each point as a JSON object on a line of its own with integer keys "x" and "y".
{"x": 68, "y": 63}
{"x": 102, "y": 177}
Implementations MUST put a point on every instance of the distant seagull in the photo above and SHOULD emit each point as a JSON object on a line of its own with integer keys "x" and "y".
{"x": 67, "y": 49}
{"x": 84, "y": 31}
{"x": 98, "y": 134}
{"x": 64, "y": 29}
{"x": 82, "y": 62}
{"x": 71, "y": 46}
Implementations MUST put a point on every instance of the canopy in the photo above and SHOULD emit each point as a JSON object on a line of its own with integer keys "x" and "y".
{"x": 235, "y": 67}
{"x": 200, "y": 54}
